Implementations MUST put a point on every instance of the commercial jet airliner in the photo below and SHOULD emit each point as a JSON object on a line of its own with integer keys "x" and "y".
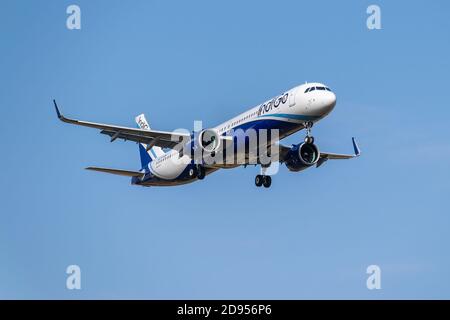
{"x": 169, "y": 158}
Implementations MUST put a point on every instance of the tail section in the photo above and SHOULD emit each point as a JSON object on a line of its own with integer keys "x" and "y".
{"x": 145, "y": 157}
{"x": 147, "y": 154}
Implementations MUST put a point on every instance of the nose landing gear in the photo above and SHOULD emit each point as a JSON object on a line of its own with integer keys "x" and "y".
{"x": 309, "y": 139}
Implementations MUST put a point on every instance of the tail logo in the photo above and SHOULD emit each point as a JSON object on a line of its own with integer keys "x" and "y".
{"x": 142, "y": 123}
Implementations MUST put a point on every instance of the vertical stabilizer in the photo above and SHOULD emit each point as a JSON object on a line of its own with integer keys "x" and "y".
{"x": 147, "y": 154}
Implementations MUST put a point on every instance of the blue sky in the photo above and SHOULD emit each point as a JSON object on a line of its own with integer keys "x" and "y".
{"x": 311, "y": 235}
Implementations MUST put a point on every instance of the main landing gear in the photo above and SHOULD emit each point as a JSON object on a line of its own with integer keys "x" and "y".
{"x": 201, "y": 172}
{"x": 309, "y": 139}
{"x": 197, "y": 171}
{"x": 261, "y": 180}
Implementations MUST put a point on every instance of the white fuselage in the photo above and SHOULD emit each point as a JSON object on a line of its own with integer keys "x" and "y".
{"x": 287, "y": 112}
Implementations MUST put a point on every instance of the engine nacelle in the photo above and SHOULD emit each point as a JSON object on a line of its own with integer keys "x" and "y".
{"x": 209, "y": 140}
{"x": 302, "y": 156}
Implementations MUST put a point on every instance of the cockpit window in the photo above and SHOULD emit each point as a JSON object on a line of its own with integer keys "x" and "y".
{"x": 317, "y": 88}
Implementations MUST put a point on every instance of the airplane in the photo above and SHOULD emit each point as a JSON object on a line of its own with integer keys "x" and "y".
{"x": 294, "y": 110}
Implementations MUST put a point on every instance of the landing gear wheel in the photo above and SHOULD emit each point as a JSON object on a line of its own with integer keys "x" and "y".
{"x": 201, "y": 172}
{"x": 259, "y": 180}
{"x": 309, "y": 139}
{"x": 193, "y": 172}
{"x": 267, "y": 181}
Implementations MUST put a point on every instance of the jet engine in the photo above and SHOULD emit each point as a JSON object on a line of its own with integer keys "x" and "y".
{"x": 302, "y": 156}
{"x": 209, "y": 140}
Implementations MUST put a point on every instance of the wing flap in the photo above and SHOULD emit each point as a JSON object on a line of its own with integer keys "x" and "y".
{"x": 153, "y": 141}
{"x": 336, "y": 156}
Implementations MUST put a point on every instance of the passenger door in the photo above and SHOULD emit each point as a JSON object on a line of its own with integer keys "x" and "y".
{"x": 292, "y": 95}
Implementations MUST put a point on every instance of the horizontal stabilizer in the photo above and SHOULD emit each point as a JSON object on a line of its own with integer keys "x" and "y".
{"x": 125, "y": 173}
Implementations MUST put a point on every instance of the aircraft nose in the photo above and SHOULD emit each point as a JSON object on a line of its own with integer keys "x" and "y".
{"x": 328, "y": 102}
{"x": 330, "y": 99}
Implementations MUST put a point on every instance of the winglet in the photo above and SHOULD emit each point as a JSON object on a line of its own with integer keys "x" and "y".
{"x": 355, "y": 147}
{"x": 57, "y": 110}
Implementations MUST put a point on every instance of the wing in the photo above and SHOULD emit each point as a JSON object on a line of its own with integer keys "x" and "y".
{"x": 329, "y": 155}
{"x": 324, "y": 156}
{"x": 152, "y": 138}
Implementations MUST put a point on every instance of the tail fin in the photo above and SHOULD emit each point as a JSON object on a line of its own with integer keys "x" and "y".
{"x": 145, "y": 157}
{"x": 147, "y": 154}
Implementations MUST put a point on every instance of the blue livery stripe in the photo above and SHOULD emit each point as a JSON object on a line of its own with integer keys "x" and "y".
{"x": 290, "y": 116}
{"x": 153, "y": 153}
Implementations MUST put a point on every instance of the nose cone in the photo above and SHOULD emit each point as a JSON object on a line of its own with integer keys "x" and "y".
{"x": 329, "y": 99}
{"x": 327, "y": 102}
